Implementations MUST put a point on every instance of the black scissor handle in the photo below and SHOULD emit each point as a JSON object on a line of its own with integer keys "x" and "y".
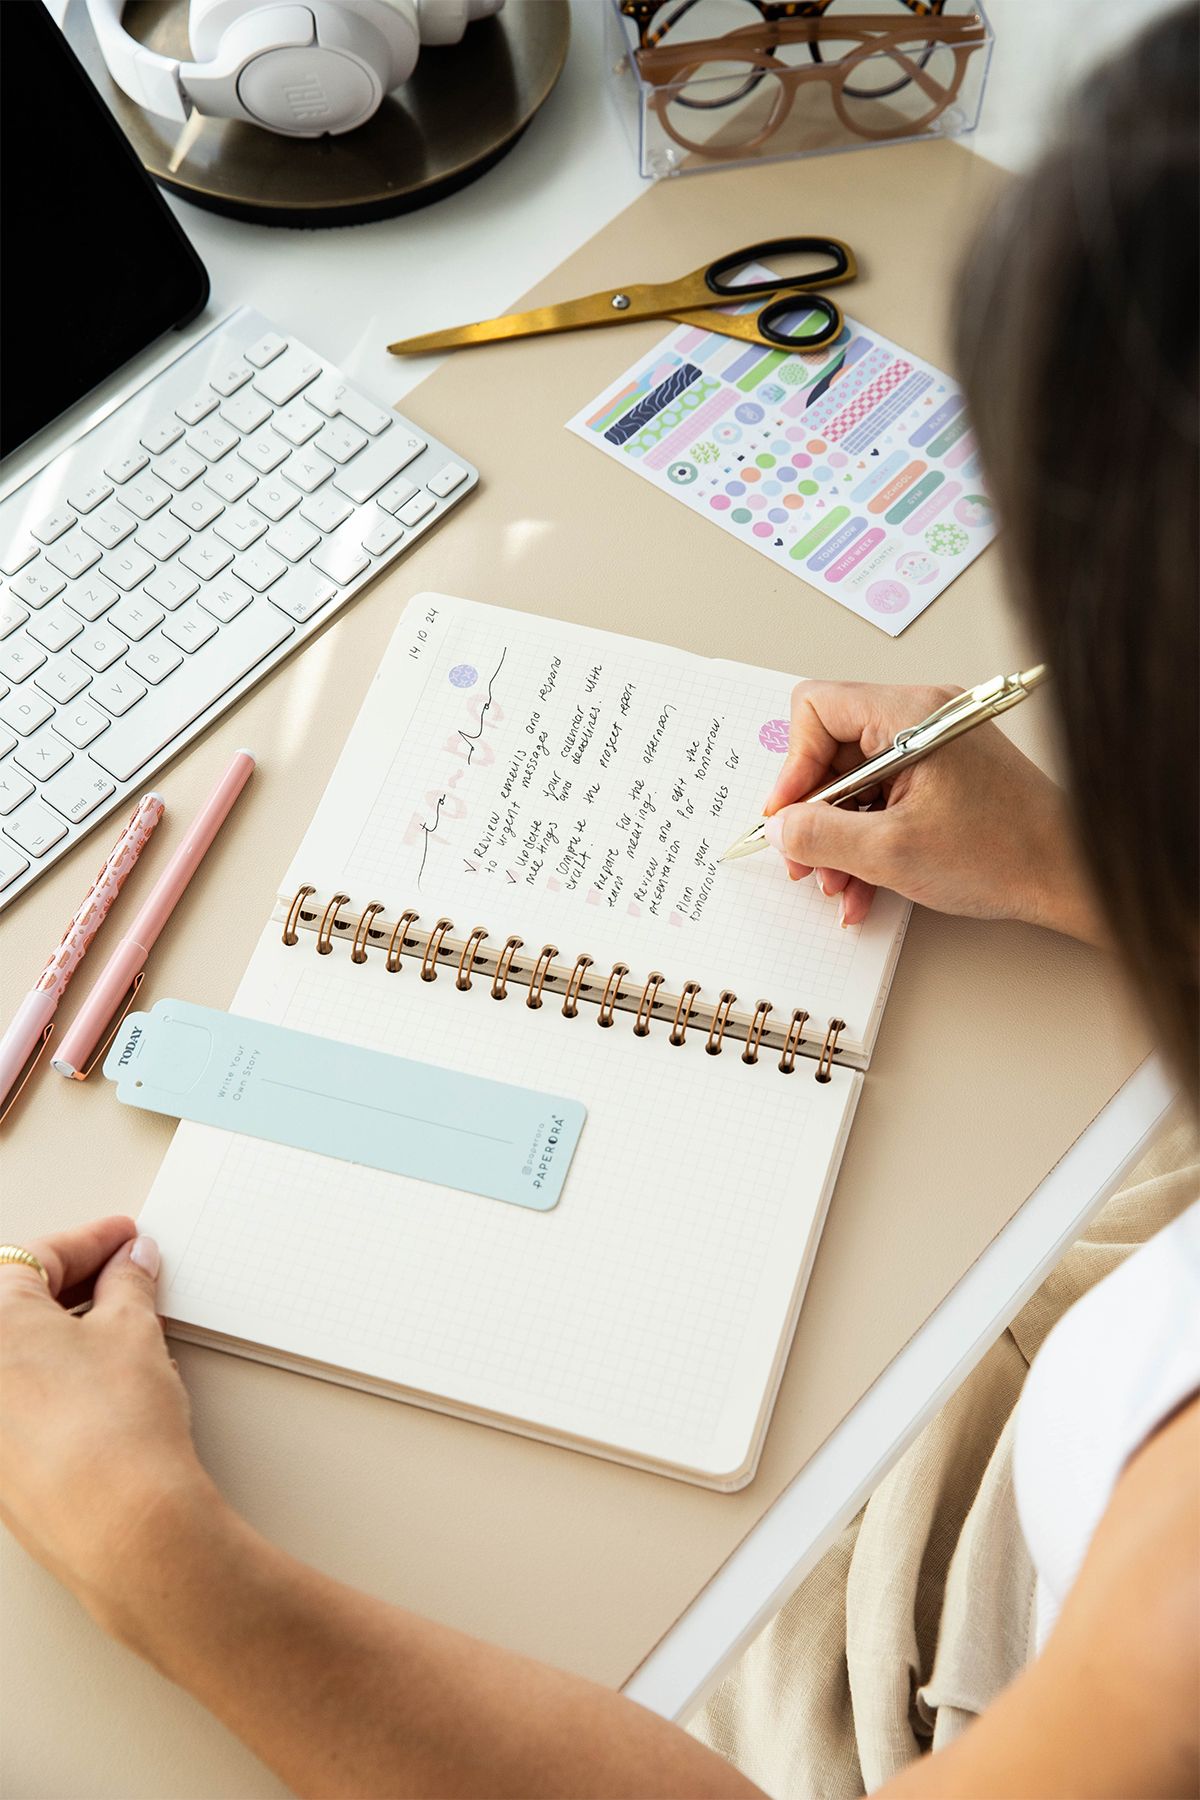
{"x": 815, "y": 337}
{"x": 841, "y": 267}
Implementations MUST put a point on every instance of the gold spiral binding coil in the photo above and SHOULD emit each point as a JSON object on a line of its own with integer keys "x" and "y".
{"x": 394, "y": 960}
{"x": 611, "y": 994}
{"x": 328, "y": 920}
{"x": 541, "y": 969}
{"x": 787, "y": 1062}
{"x": 433, "y": 947}
{"x": 290, "y": 934}
{"x": 503, "y": 965}
{"x": 645, "y": 1011}
{"x": 683, "y": 1013}
{"x": 829, "y": 1049}
{"x": 570, "y": 1005}
{"x": 363, "y": 930}
{"x": 466, "y": 961}
{"x": 720, "y": 1020}
{"x": 754, "y": 1035}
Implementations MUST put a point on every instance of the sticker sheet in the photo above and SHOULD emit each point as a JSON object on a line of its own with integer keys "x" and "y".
{"x": 853, "y": 467}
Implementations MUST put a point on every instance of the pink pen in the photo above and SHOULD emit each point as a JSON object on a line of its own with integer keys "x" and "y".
{"x": 96, "y": 1014}
{"x": 31, "y": 1022}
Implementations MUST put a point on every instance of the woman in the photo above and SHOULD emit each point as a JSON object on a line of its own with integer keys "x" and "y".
{"x": 1078, "y": 344}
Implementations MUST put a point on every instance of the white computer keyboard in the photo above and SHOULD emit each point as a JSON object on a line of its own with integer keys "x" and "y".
{"x": 171, "y": 556}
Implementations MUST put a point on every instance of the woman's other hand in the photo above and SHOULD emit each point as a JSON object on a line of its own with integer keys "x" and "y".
{"x": 95, "y": 1439}
{"x": 976, "y": 828}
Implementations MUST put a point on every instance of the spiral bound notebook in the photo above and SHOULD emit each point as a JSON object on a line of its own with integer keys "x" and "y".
{"x": 513, "y": 873}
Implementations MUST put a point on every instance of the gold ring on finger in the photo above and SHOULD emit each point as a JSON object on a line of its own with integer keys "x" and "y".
{"x": 16, "y": 1253}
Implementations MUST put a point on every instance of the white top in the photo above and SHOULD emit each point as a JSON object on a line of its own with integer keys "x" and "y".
{"x": 1115, "y": 1366}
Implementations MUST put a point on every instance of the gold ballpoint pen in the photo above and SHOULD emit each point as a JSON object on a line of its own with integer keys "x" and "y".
{"x": 963, "y": 713}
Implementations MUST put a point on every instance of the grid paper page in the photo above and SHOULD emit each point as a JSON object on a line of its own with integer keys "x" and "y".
{"x": 646, "y": 1315}
{"x": 575, "y": 787}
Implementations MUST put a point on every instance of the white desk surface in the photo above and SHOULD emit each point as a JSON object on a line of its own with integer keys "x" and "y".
{"x": 349, "y": 291}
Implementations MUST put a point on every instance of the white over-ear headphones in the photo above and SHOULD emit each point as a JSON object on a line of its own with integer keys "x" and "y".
{"x": 302, "y": 69}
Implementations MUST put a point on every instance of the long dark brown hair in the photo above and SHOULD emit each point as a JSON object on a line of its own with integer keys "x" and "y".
{"x": 1077, "y": 345}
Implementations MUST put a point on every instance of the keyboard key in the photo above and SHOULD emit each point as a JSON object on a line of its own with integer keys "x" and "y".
{"x": 259, "y": 569}
{"x": 118, "y": 692}
{"x": 293, "y": 539}
{"x": 13, "y": 788}
{"x": 225, "y": 598}
{"x": 91, "y": 598}
{"x": 79, "y": 790}
{"x": 264, "y": 451}
{"x": 36, "y": 585}
{"x": 47, "y": 530}
{"x": 87, "y": 497}
{"x": 339, "y": 441}
{"x": 197, "y": 508}
{"x": 81, "y": 725}
{"x": 154, "y": 659}
{"x": 11, "y": 865}
{"x": 189, "y": 628}
{"x": 203, "y": 679}
{"x": 287, "y": 375}
{"x": 230, "y": 481}
{"x": 274, "y": 498}
{"x": 123, "y": 467}
{"x": 449, "y": 477}
{"x": 342, "y": 556}
{"x": 161, "y": 537}
{"x": 414, "y": 510}
{"x": 20, "y": 656}
{"x": 111, "y": 526}
{"x": 74, "y": 554}
{"x": 34, "y": 828}
{"x": 43, "y": 754}
{"x": 206, "y": 556}
{"x": 301, "y": 594}
{"x": 62, "y": 678}
{"x": 145, "y": 496}
{"x": 179, "y": 468}
{"x": 382, "y": 535}
{"x": 99, "y": 648}
{"x": 127, "y": 567}
{"x": 199, "y": 406}
{"x": 213, "y": 440}
{"x": 11, "y": 615}
{"x": 135, "y": 616}
{"x": 15, "y": 556}
{"x": 170, "y": 586}
{"x": 326, "y": 510}
{"x": 266, "y": 350}
{"x": 234, "y": 376}
{"x": 55, "y": 626}
{"x": 334, "y": 397}
{"x": 395, "y": 494}
{"x": 307, "y": 469}
{"x": 24, "y": 710}
{"x": 298, "y": 422}
{"x": 241, "y": 527}
{"x": 246, "y": 411}
{"x": 160, "y": 437}
{"x": 373, "y": 467}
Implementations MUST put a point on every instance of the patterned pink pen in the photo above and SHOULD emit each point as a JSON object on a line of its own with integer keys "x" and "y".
{"x": 32, "y": 1020}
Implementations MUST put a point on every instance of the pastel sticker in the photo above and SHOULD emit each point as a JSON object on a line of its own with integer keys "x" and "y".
{"x": 887, "y": 596}
{"x": 726, "y": 432}
{"x": 462, "y": 675}
{"x": 771, "y": 393}
{"x": 773, "y": 736}
{"x": 945, "y": 539}
{"x": 682, "y": 473}
{"x": 916, "y": 566}
{"x": 748, "y": 413}
{"x": 705, "y": 452}
{"x": 974, "y": 509}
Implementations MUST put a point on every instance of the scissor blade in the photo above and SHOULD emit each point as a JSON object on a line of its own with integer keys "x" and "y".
{"x": 568, "y": 315}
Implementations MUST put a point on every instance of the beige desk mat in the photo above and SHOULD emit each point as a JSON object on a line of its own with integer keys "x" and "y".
{"x": 999, "y": 1046}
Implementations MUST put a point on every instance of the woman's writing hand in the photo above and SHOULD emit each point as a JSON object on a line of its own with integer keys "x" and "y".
{"x": 976, "y": 828}
{"x": 95, "y": 1440}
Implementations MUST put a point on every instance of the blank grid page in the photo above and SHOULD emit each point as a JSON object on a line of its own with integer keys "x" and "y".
{"x": 644, "y": 1314}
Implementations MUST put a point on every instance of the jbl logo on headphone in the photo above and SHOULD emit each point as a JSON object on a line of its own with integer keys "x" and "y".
{"x": 306, "y": 99}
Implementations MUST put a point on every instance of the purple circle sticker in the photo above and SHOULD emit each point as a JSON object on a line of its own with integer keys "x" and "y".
{"x": 462, "y": 675}
{"x": 887, "y": 596}
{"x": 773, "y": 736}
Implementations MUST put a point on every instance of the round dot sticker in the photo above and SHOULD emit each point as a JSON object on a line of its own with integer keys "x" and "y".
{"x": 786, "y": 473}
{"x": 462, "y": 675}
{"x": 682, "y": 473}
{"x": 765, "y": 461}
{"x": 801, "y": 461}
{"x": 945, "y": 539}
{"x": 780, "y": 447}
{"x": 770, "y": 487}
{"x": 751, "y": 475}
{"x": 916, "y": 565}
{"x": 974, "y": 509}
{"x": 720, "y": 502}
{"x": 756, "y": 502}
{"x": 773, "y": 736}
{"x": 822, "y": 474}
{"x": 741, "y": 515}
{"x": 817, "y": 446}
{"x": 748, "y": 413}
{"x": 735, "y": 487}
{"x": 793, "y": 501}
{"x": 727, "y": 432}
{"x": 778, "y": 515}
{"x": 809, "y": 487}
{"x": 839, "y": 459}
{"x": 887, "y": 596}
{"x": 762, "y": 529}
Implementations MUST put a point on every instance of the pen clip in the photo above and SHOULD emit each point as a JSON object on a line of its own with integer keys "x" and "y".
{"x": 99, "y": 1054}
{"x": 35, "y": 1058}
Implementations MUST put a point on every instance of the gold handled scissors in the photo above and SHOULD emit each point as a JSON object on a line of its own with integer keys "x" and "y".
{"x": 692, "y": 300}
